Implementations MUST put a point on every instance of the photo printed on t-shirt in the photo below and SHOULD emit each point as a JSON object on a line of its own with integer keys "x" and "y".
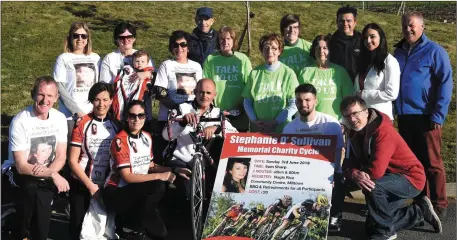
{"x": 42, "y": 150}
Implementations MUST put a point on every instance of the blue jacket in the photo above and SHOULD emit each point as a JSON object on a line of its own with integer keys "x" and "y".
{"x": 426, "y": 80}
{"x": 201, "y": 45}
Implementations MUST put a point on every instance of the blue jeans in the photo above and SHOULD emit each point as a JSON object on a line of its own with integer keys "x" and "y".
{"x": 387, "y": 204}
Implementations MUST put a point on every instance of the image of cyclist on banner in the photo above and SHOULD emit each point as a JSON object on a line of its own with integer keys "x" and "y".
{"x": 251, "y": 217}
{"x": 276, "y": 208}
{"x": 236, "y": 175}
{"x": 85, "y": 75}
{"x": 231, "y": 215}
{"x": 303, "y": 211}
{"x": 42, "y": 150}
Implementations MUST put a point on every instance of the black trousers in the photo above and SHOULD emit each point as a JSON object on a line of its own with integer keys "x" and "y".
{"x": 79, "y": 203}
{"x": 139, "y": 201}
{"x": 34, "y": 207}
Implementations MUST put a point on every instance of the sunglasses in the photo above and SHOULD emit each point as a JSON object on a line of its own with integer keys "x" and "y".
{"x": 140, "y": 116}
{"x": 181, "y": 44}
{"x": 76, "y": 36}
{"x": 129, "y": 37}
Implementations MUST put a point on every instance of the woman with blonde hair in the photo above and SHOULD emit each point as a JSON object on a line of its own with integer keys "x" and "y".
{"x": 77, "y": 64}
{"x": 230, "y": 70}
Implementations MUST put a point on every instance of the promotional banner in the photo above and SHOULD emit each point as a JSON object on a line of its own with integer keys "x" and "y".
{"x": 275, "y": 186}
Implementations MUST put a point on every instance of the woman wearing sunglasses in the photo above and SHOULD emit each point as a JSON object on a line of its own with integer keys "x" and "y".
{"x": 135, "y": 184}
{"x": 90, "y": 154}
{"x": 76, "y": 70}
{"x": 175, "y": 82}
{"x": 124, "y": 37}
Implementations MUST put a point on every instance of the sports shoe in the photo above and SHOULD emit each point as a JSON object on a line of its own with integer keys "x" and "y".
{"x": 429, "y": 214}
{"x": 441, "y": 212}
{"x": 379, "y": 236}
{"x": 335, "y": 224}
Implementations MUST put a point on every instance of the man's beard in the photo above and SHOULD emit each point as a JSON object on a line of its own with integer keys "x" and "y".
{"x": 305, "y": 113}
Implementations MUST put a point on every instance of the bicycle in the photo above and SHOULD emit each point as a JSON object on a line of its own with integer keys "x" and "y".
{"x": 269, "y": 228}
{"x": 201, "y": 159}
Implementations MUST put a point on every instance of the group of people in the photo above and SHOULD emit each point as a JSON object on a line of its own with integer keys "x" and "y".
{"x": 347, "y": 78}
{"x": 239, "y": 221}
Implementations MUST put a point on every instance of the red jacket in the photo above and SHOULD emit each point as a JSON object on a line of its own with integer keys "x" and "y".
{"x": 379, "y": 149}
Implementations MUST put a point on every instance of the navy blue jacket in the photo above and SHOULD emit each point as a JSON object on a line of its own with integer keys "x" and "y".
{"x": 426, "y": 79}
{"x": 199, "y": 48}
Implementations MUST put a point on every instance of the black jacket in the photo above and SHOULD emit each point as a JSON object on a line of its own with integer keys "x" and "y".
{"x": 345, "y": 51}
{"x": 201, "y": 45}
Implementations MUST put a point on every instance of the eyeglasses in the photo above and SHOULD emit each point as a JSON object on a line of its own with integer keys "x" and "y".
{"x": 292, "y": 27}
{"x": 182, "y": 44}
{"x": 354, "y": 114}
{"x": 140, "y": 116}
{"x": 76, "y": 36}
{"x": 129, "y": 37}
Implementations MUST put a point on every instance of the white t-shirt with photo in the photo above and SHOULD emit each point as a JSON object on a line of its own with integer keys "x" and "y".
{"x": 79, "y": 73}
{"x": 112, "y": 63}
{"x": 38, "y": 137}
{"x": 322, "y": 124}
{"x": 180, "y": 80}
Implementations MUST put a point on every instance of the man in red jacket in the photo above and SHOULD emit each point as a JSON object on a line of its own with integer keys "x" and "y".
{"x": 386, "y": 170}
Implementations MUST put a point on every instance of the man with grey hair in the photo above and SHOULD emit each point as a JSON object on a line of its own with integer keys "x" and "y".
{"x": 423, "y": 101}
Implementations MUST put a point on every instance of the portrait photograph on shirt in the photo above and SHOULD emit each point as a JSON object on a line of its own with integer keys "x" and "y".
{"x": 118, "y": 144}
{"x": 85, "y": 75}
{"x": 94, "y": 129}
{"x": 42, "y": 150}
{"x": 186, "y": 83}
{"x": 236, "y": 175}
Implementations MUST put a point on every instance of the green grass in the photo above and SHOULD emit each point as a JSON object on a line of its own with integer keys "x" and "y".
{"x": 33, "y": 33}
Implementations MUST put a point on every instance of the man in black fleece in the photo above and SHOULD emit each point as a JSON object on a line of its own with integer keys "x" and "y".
{"x": 345, "y": 42}
{"x": 203, "y": 38}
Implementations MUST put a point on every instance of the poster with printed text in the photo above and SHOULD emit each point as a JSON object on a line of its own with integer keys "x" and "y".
{"x": 275, "y": 186}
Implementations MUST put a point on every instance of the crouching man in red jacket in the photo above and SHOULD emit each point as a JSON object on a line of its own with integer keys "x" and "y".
{"x": 386, "y": 170}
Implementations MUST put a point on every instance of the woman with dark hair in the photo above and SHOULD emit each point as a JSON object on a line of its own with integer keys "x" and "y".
{"x": 41, "y": 150}
{"x": 378, "y": 78}
{"x": 176, "y": 79}
{"x": 332, "y": 81}
{"x": 124, "y": 37}
{"x": 296, "y": 49}
{"x": 76, "y": 70}
{"x": 89, "y": 154}
{"x": 136, "y": 184}
{"x": 235, "y": 175}
{"x": 269, "y": 98}
{"x": 230, "y": 70}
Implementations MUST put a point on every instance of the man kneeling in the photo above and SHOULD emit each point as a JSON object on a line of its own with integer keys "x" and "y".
{"x": 386, "y": 170}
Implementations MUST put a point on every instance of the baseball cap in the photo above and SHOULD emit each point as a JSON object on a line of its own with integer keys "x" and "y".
{"x": 206, "y": 11}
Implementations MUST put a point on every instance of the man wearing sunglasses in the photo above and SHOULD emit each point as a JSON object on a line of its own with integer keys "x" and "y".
{"x": 387, "y": 171}
{"x": 203, "y": 38}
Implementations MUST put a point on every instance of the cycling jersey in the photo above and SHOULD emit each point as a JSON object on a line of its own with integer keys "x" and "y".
{"x": 129, "y": 151}
{"x": 278, "y": 207}
{"x": 254, "y": 214}
{"x": 93, "y": 135}
{"x": 128, "y": 87}
{"x": 234, "y": 212}
{"x": 297, "y": 207}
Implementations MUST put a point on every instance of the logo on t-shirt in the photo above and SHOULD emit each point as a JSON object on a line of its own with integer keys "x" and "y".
{"x": 85, "y": 75}
{"x": 42, "y": 150}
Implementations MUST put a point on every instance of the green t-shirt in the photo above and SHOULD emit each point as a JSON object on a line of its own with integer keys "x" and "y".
{"x": 297, "y": 56}
{"x": 332, "y": 84}
{"x": 230, "y": 75}
{"x": 270, "y": 92}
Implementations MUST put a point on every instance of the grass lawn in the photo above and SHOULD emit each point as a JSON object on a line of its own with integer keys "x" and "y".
{"x": 33, "y": 33}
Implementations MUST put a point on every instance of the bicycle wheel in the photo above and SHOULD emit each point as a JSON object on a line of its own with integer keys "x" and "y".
{"x": 8, "y": 222}
{"x": 197, "y": 196}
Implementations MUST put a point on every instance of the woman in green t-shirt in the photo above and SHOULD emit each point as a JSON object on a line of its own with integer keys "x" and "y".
{"x": 230, "y": 70}
{"x": 332, "y": 81}
{"x": 269, "y": 98}
{"x": 296, "y": 49}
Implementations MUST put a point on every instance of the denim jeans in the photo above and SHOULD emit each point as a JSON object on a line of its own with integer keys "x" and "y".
{"x": 387, "y": 204}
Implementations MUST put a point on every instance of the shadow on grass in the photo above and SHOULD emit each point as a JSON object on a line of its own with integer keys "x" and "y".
{"x": 105, "y": 24}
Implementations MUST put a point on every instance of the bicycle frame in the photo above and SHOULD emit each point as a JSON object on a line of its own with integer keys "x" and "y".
{"x": 198, "y": 170}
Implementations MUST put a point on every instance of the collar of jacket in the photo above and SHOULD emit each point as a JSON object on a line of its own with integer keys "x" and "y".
{"x": 374, "y": 121}
{"x": 422, "y": 41}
